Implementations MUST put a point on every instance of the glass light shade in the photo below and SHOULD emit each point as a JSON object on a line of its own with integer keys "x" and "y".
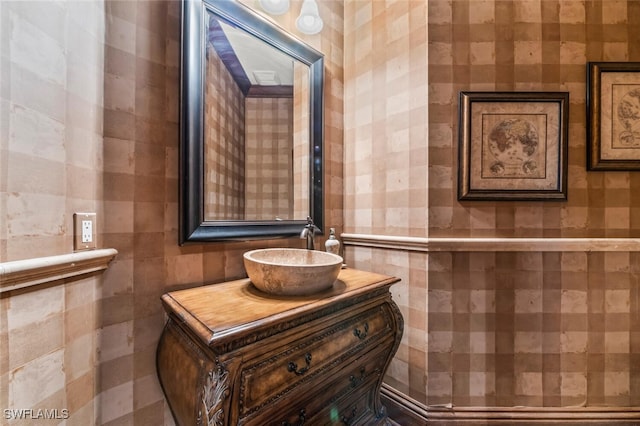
{"x": 309, "y": 21}
{"x": 275, "y": 7}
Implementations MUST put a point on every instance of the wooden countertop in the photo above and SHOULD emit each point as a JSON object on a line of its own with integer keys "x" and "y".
{"x": 217, "y": 313}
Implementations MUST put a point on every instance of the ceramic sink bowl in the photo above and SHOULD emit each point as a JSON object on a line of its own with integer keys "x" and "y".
{"x": 292, "y": 272}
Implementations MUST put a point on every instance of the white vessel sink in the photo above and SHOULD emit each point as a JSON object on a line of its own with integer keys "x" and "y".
{"x": 292, "y": 272}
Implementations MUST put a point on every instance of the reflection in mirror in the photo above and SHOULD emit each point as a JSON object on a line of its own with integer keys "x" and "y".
{"x": 256, "y": 128}
{"x": 251, "y": 130}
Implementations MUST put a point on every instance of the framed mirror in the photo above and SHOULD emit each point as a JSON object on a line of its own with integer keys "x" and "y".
{"x": 251, "y": 126}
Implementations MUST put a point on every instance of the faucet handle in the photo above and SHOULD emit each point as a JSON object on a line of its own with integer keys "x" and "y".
{"x": 308, "y": 232}
{"x": 310, "y": 225}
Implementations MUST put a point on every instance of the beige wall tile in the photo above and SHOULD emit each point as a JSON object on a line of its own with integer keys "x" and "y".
{"x": 80, "y": 392}
{"x": 120, "y": 33}
{"x": 30, "y": 308}
{"x": 36, "y": 135}
{"x": 116, "y": 372}
{"x": 147, "y": 391}
{"x": 84, "y": 415}
{"x": 34, "y": 50}
{"x": 573, "y": 341}
{"x": 616, "y": 383}
{"x": 35, "y": 340}
{"x": 80, "y": 358}
{"x": 115, "y": 341}
{"x": 116, "y": 402}
{"x": 37, "y": 380}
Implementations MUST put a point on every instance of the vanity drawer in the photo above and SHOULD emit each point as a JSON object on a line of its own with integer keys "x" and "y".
{"x": 277, "y": 374}
{"x": 355, "y": 408}
{"x": 311, "y": 400}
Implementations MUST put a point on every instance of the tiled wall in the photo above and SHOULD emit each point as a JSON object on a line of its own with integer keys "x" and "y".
{"x": 527, "y": 46}
{"x": 224, "y": 154}
{"x": 534, "y": 329}
{"x": 555, "y": 329}
{"x": 385, "y": 117}
{"x": 386, "y": 164}
{"x": 269, "y": 154}
{"x": 489, "y": 328}
{"x": 51, "y": 96}
{"x": 51, "y": 140}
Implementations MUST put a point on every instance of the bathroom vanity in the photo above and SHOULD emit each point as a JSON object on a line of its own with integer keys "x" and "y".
{"x": 230, "y": 354}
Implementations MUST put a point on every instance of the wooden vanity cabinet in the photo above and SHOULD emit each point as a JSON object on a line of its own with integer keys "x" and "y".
{"x": 231, "y": 355}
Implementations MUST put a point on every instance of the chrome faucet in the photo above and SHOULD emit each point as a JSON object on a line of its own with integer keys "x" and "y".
{"x": 308, "y": 232}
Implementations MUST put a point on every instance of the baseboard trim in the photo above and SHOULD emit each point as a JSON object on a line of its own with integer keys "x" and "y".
{"x": 409, "y": 412}
{"x": 402, "y": 409}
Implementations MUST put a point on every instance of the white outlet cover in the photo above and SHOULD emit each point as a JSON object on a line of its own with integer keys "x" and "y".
{"x": 84, "y": 231}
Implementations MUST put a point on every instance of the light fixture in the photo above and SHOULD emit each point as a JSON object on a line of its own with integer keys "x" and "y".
{"x": 309, "y": 21}
{"x": 275, "y": 7}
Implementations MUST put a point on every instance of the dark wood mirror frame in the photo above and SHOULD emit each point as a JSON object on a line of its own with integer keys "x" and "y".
{"x": 193, "y": 227}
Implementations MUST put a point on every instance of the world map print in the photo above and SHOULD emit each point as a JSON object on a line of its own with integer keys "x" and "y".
{"x": 514, "y": 145}
{"x": 628, "y": 114}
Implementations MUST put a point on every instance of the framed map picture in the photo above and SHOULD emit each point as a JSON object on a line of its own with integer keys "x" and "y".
{"x": 513, "y": 145}
{"x": 613, "y": 114}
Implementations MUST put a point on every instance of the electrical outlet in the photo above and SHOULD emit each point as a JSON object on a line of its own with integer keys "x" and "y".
{"x": 87, "y": 231}
{"x": 84, "y": 231}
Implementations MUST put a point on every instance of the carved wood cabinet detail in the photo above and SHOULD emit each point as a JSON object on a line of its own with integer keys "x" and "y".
{"x": 231, "y": 355}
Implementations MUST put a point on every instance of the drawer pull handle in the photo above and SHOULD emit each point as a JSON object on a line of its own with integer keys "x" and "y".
{"x": 301, "y": 419}
{"x": 347, "y": 420}
{"x": 361, "y": 334}
{"x": 355, "y": 380}
{"x": 293, "y": 367}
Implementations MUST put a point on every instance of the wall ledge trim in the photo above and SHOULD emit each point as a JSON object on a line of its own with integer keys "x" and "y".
{"x": 491, "y": 244}
{"x": 29, "y": 272}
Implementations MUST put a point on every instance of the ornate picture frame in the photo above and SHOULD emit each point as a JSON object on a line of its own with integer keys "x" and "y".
{"x": 513, "y": 145}
{"x": 613, "y": 116}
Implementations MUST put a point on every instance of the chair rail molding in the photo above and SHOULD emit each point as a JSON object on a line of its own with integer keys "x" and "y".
{"x": 20, "y": 274}
{"x": 491, "y": 244}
